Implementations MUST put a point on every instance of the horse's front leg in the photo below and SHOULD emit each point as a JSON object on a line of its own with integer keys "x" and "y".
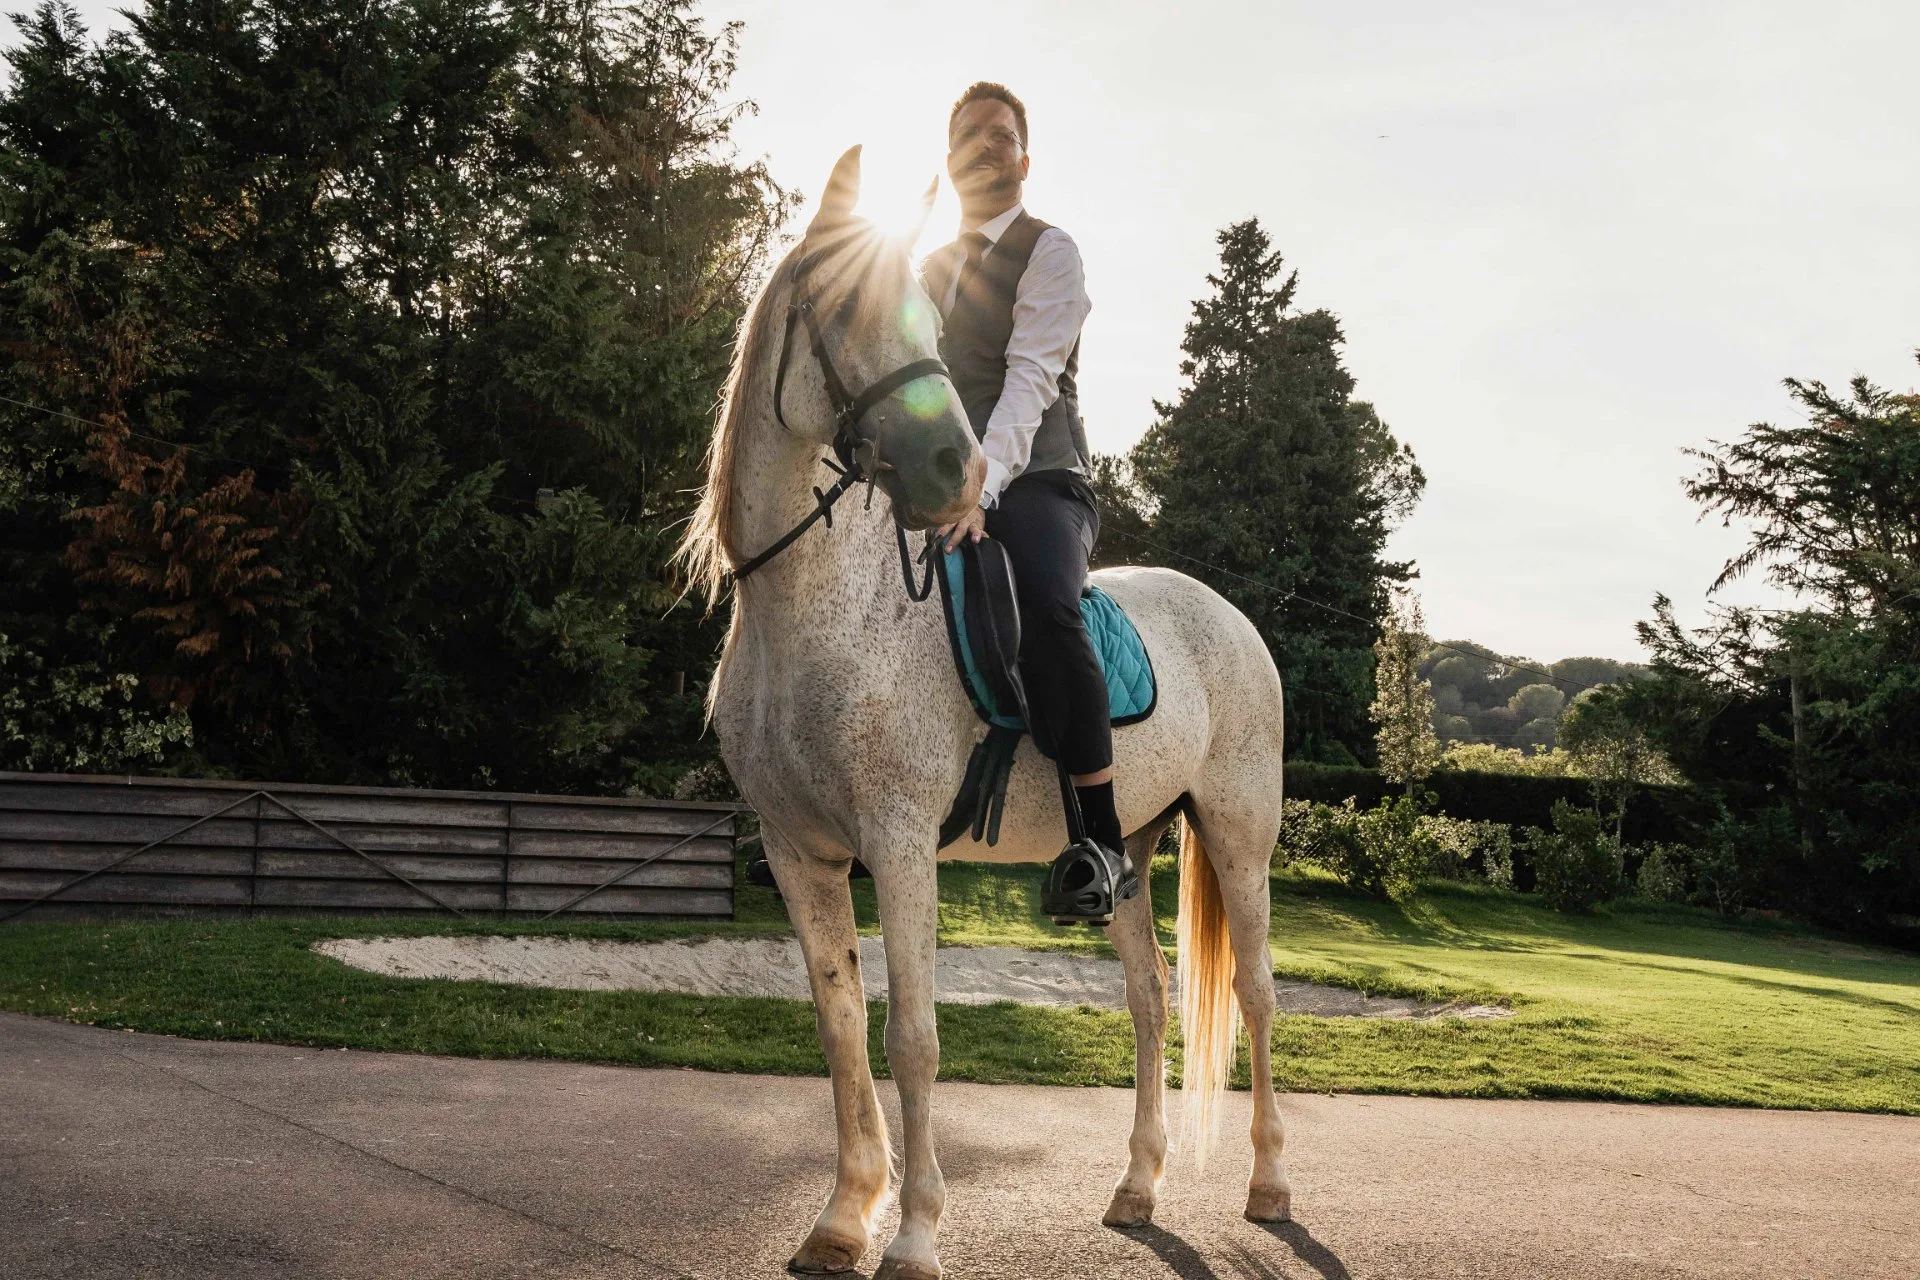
{"x": 908, "y": 888}
{"x": 1133, "y": 937}
{"x": 822, "y": 912}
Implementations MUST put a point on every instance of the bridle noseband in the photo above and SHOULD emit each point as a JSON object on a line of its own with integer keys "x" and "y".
{"x": 858, "y": 456}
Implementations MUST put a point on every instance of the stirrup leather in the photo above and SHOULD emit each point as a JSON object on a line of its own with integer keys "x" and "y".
{"x": 1086, "y": 882}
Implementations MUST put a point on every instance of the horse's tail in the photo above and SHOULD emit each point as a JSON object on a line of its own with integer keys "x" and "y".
{"x": 1209, "y": 1015}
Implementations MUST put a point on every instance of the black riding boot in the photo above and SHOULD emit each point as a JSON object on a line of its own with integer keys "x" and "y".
{"x": 1093, "y": 874}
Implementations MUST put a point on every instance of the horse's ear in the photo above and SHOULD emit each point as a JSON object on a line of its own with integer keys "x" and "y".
{"x": 843, "y": 190}
{"x": 926, "y": 210}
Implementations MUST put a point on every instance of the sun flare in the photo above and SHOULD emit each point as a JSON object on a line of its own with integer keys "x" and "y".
{"x": 893, "y": 188}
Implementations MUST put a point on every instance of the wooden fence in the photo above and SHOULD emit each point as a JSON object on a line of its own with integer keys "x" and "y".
{"x": 77, "y": 844}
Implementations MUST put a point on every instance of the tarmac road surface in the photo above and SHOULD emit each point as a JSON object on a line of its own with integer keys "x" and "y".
{"x": 127, "y": 1155}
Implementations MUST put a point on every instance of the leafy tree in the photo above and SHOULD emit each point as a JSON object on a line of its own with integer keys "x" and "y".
{"x": 1402, "y": 706}
{"x": 1571, "y": 675}
{"x": 1507, "y": 701}
{"x": 1536, "y": 708}
{"x": 1537, "y": 702}
{"x": 1800, "y": 721}
{"x": 66, "y": 713}
{"x": 1534, "y": 735}
{"x": 1268, "y": 480}
{"x": 1473, "y": 685}
{"x": 1612, "y": 748}
{"x": 388, "y": 336}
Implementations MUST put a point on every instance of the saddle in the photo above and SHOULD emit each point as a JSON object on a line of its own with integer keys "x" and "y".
{"x": 983, "y": 631}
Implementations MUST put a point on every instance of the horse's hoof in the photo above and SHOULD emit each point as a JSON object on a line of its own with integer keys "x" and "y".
{"x": 905, "y": 1269}
{"x": 1269, "y": 1204}
{"x": 1129, "y": 1209}
{"x": 826, "y": 1254}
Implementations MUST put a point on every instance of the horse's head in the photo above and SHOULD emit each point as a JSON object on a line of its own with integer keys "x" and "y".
{"x": 863, "y": 351}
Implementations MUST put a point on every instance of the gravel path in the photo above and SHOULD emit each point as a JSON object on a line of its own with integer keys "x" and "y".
{"x": 773, "y": 967}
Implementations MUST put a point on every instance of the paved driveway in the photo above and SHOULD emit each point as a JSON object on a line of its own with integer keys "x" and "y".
{"x": 129, "y": 1155}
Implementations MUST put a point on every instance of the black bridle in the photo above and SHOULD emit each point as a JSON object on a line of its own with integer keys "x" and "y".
{"x": 858, "y": 456}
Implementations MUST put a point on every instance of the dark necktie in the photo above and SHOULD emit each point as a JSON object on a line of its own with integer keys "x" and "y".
{"x": 976, "y": 245}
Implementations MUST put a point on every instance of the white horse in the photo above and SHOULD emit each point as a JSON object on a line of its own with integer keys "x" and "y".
{"x": 844, "y": 725}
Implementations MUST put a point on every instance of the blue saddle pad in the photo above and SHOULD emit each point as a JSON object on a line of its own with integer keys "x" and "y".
{"x": 1131, "y": 690}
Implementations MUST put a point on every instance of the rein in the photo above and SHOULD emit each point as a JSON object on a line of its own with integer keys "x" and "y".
{"x": 858, "y": 457}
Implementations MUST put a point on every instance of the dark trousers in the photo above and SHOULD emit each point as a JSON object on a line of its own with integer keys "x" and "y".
{"x": 1048, "y": 524}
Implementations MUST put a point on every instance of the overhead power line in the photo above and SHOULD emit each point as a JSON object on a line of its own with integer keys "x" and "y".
{"x": 1288, "y": 595}
{"x": 200, "y": 450}
{"x": 1285, "y": 596}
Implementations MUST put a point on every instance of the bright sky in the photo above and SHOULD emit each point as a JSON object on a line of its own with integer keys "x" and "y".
{"x": 1565, "y": 240}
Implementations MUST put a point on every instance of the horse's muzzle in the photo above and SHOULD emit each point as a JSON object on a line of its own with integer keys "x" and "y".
{"x": 932, "y": 471}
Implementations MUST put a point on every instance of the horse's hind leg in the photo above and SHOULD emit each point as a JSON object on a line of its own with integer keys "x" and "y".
{"x": 1239, "y": 836}
{"x": 1133, "y": 938}
{"x": 822, "y": 911}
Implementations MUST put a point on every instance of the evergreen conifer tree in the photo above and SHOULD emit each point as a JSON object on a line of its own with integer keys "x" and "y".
{"x": 1270, "y": 482}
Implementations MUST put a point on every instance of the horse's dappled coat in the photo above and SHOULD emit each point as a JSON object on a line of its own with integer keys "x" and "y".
{"x": 842, "y": 723}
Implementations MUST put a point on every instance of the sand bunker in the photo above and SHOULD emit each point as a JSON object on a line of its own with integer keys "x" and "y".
{"x": 773, "y": 967}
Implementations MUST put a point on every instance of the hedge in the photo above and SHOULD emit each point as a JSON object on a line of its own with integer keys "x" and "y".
{"x": 1671, "y": 814}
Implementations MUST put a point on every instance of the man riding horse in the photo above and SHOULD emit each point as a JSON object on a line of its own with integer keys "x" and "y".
{"x": 833, "y": 724}
{"x": 1013, "y": 297}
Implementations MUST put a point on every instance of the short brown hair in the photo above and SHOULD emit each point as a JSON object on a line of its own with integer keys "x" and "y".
{"x": 999, "y": 93}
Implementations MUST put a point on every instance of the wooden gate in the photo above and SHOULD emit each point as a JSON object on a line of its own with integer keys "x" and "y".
{"x": 81, "y": 844}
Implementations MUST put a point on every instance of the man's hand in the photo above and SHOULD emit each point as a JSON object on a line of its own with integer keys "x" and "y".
{"x": 972, "y": 525}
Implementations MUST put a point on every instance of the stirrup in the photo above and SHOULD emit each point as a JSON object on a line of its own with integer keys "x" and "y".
{"x": 1086, "y": 882}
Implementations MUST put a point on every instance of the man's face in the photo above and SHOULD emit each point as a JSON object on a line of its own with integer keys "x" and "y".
{"x": 984, "y": 155}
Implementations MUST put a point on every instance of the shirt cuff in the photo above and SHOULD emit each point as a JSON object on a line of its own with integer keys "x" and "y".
{"x": 997, "y": 478}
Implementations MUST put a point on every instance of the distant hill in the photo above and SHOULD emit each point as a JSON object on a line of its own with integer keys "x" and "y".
{"x": 1483, "y": 696}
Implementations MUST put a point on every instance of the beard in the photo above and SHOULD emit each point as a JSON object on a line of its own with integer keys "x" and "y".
{"x": 982, "y": 181}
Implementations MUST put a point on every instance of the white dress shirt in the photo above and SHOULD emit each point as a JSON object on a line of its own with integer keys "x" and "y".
{"x": 1049, "y": 305}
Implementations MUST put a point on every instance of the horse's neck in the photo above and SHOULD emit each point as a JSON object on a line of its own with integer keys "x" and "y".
{"x": 835, "y": 691}
{"x": 817, "y": 600}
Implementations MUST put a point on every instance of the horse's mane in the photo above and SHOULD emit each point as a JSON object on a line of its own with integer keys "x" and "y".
{"x": 706, "y": 551}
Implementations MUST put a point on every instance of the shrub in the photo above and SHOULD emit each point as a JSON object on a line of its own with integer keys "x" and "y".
{"x": 1381, "y": 852}
{"x": 1663, "y": 873}
{"x": 1496, "y": 856}
{"x": 1519, "y": 800}
{"x": 1484, "y": 757}
{"x": 1453, "y": 845}
{"x": 1577, "y": 865}
{"x": 1298, "y": 831}
{"x": 79, "y": 717}
{"x": 1457, "y": 844}
{"x": 1316, "y": 834}
{"x": 1729, "y": 866}
{"x": 1397, "y": 848}
{"x": 706, "y": 781}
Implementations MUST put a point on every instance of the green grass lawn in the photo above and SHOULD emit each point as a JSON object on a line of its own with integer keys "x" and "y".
{"x": 1637, "y": 1002}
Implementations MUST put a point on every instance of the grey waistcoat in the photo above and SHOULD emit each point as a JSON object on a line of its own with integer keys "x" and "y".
{"x": 974, "y": 344}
